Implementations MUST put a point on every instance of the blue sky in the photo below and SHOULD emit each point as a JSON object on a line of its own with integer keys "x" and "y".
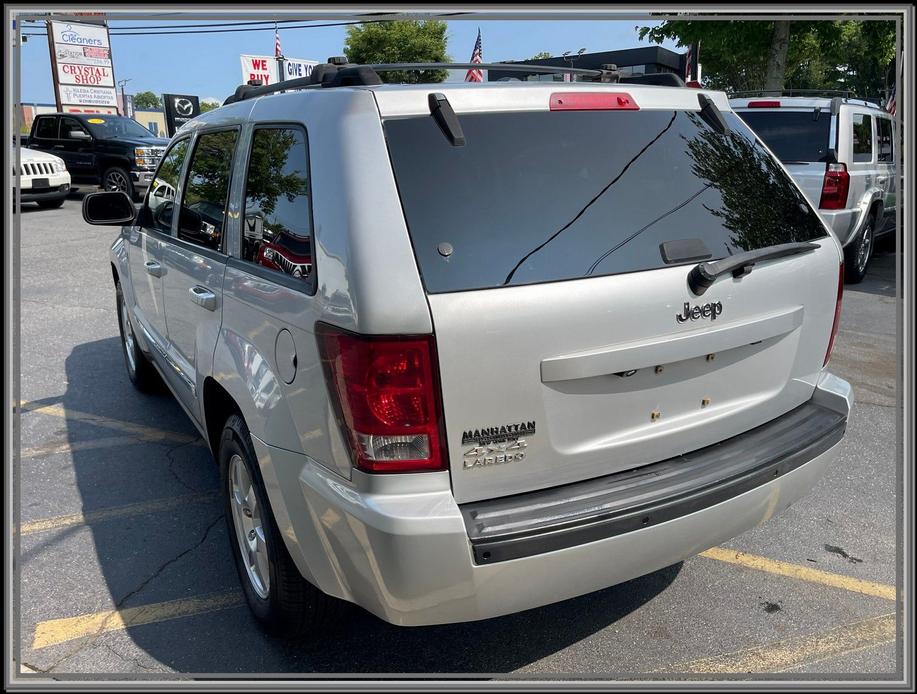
{"x": 208, "y": 64}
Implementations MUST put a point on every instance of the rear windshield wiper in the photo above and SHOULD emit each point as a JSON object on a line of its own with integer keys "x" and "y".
{"x": 702, "y": 276}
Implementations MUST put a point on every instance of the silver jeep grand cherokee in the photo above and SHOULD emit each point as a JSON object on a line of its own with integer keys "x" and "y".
{"x": 462, "y": 350}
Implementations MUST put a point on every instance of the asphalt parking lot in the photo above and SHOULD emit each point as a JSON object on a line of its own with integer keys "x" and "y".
{"x": 126, "y": 567}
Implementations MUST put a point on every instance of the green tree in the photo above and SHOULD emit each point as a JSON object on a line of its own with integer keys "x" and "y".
{"x": 400, "y": 42}
{"x": 541, "y": 55}
{"x": 208, "y": 106}
{"x": 751, "y": 54}
{"x": 146, "y": 101}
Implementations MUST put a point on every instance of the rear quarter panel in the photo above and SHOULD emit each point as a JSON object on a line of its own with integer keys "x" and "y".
{"x": 366, "y": 277}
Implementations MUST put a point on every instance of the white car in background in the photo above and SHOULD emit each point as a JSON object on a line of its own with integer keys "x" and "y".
{"x": 43, "y": 179}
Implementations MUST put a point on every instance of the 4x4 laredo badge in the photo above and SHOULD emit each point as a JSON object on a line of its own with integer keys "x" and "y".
{"x": 496, "y": 445}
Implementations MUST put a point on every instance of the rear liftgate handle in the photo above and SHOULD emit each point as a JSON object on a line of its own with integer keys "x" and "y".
{"x": 203, "y": 297}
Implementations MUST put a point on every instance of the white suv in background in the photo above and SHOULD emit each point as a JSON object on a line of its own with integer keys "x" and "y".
{"x": 842, "y": 154}
{"x": 43, "y": 179}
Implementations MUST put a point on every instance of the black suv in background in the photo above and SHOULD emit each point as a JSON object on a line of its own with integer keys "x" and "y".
{"x": 114, "y": 152}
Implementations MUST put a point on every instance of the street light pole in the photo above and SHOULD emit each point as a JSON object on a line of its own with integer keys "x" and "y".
{"x": 121, "y": 84}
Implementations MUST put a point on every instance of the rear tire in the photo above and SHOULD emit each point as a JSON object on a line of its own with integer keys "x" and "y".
{"x": 139, "y": 369}
{"x": 279, "y": 597}
{"x": 858, "y": 252}
{"x": 50, "y": 204}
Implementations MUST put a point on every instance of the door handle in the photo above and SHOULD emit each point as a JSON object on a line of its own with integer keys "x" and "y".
{"x": 57, "y": 147}
{"x": 203, "y": 297}
{"x": 153, "y": 268}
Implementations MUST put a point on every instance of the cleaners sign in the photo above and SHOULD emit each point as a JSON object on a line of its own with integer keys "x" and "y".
{"x": 84, "y": 80}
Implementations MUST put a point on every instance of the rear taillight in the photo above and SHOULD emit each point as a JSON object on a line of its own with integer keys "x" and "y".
{"x": 835, "y": 187}
{"x": 592, "y": 101}
{"x": 837, "y": 315}
{"x": 763, "y": 104}
{"x": 387, "y": 396}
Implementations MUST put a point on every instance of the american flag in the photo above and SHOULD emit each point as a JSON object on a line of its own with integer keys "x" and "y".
{"x": 277, "y": 52}
{"x": 891, "y": 105}
{"x": 474, "y": 74}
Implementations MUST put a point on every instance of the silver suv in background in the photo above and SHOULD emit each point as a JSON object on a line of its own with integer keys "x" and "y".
{"x": 461, "y": 350}
{"x": 841, "y": 152}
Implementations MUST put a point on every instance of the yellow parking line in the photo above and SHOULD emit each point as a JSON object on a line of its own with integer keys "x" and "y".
{"x": 72, "y": 519}
{"x": 140, "y": 431}
{"x": 802, "y": 573}
{"x": 90, "y": 444}
{"x": 56, "y": 631}
{"x": 797, "y": 651}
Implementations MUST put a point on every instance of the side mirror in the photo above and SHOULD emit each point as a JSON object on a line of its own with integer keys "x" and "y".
{"x": 108, "y": 208}
{"x": 79, "y": 135}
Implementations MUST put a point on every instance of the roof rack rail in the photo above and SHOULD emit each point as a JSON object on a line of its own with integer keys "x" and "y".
{"x": 338, "y": 73}
{"x": 845, "y": 93}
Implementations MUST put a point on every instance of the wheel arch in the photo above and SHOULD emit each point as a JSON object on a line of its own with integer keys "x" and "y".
{"x": 218, "y": 406}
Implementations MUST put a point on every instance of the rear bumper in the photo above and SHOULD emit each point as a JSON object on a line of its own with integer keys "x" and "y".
{"x": 404, "y": 553}
{"x": 844, "y": 223}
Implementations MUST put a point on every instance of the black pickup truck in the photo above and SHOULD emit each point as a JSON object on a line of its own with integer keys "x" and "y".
{"x": 114, "y": 152}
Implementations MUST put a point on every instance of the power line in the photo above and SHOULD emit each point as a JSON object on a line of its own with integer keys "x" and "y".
{"x": 115, "y": 32}
{"x": 217, "y": 24}
{"x": 248, "y": 26}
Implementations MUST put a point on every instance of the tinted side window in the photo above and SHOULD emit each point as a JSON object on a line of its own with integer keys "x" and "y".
{"x": 862, "y": 137}
{"x": 160, "y": 201}
{"x": 277, "y": 228}
{"x": 46, "y": 128}
{"x": 68, "y": 125}
{"x": 203, "y": 207}
{"x": 886, "y": 140}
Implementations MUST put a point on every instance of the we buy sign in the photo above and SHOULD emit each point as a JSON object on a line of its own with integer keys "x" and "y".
{"x": 259, "y": 67}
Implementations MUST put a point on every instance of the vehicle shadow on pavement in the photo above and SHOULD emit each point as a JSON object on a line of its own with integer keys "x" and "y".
{"x": 184, "y": 552}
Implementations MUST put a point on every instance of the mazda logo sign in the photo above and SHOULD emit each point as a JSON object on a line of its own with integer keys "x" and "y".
{"x": 184, "y": 107}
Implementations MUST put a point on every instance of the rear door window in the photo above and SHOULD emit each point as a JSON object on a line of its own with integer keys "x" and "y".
{"x": 885, "y": 140}
{"x": 862, "y": 137}
{"x": 794, "y": 136}
{"x": 546, "y": 196}
{"x": 46, "y": 129}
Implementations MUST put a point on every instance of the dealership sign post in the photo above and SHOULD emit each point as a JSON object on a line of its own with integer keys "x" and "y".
{"x": 81, "y": 66}
{"x": 179, "y": 108}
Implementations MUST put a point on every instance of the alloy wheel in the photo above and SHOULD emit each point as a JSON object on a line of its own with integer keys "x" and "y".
{"x": 127, "y": 332}
{"x": 247, "y": 521}
{"x": 116, "y": 180}
{"x": 864, "y": 248}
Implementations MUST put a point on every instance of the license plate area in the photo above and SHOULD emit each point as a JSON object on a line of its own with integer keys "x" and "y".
{"x": 41, "y": 183}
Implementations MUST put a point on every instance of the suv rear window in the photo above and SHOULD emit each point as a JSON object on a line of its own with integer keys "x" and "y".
{"x": 794, "y": 136}
{"x": 545, "y": 196}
